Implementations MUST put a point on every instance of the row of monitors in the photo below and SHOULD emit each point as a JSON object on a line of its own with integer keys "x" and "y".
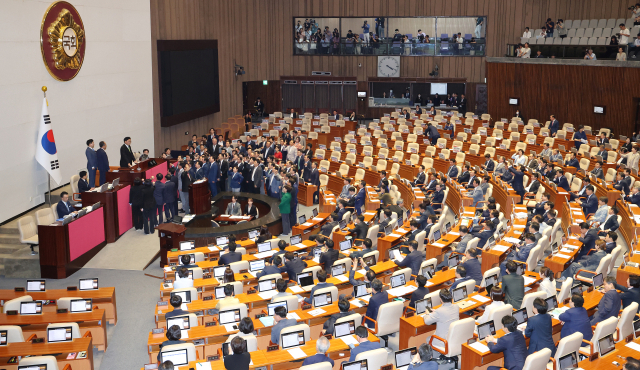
{"x": 76, "y": 306}
{"x": 83, "y": 284}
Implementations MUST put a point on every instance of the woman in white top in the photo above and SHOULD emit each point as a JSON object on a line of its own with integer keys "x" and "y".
{"x": 547, "y": 285}
{"x": 497, "y": 297}
{"x": 519, "y": 158}
{"x": 527, "y": 33}
{"x": 525, "y": 52}
{"x": 621, "y": 56}
{"x": 632, "y": 158}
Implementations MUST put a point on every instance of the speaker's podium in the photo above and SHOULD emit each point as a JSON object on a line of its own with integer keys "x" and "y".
{"x": 170, "y": 237}
{"x": 117, "y": 210}
{"x": 144, "y": 170}
{"x": 199, "y": 197}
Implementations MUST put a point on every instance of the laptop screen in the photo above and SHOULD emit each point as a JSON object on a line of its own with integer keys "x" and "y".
{"x": 486, "y": 329}
{"x": 3, "y": 337}
{"x": 345, "y": 244}
{"x": 403, "y": 358}
{"x": 256, "y": 265}
{"x": 31, "y": 308}
{"x": 520, "y": 269}
{"x": 305, "y": 279}
{"x": 221, "y": 240}
{"x": 428, "y": 271}
{"x": 295, "y": 239}
{"x": 397, "y": 280}
{"x": 264, "y": 247}
{"x": 265, "y": 285}
{"x": 314, "y": 212}
{"x": 185, "y": 295}
{"x": 520, "y": 315}
{"x": 187, "y": 245}
{"x": 448, "y": 226}
{"x": 343, "y": 224}
{"x": 177, "y": 357}
{"x": 33, "y": 367}
{"x": 576, "y": 289}
{"x": 218, "y": 272}
{"x": 35, "y": 285}
{"x": 181, "y": 321}
{"x": 88, "y": 284}
{"x": 388, "y": 229}
{"x": 491, "y": 280}
{"x": 422, "y": 305}
{"x": 253, "y": 233}
{"x": 81, "y": 305}
{"x": 271, "y": 307}
{"x": 568, "y": 361}
{"x": 598, "y": 280}
{"x": 344, "y": 328}
{"x": 636, "y": 325}
{"x": 606, "y": 344}
{"x": 322, "y": 299}
{"x": 355, "y": 365}
{"x": 302, "y": 219}
{"x": 459, "y": 293}
{"x": 361, "y": 291}
{"x": 436, "y": 235}
{"x": 220, "y": 292}
{"x": 370, "y": 260}
{"x": 294, "y": 339}
{"x": 337, "y": 270}
{"x": 229, "y": 316}
{"x": 552, "y": 303}
{"x": 59, "y": 334}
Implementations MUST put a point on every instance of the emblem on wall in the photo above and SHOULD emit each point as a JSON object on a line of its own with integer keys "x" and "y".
{"x": 62, "y": 41}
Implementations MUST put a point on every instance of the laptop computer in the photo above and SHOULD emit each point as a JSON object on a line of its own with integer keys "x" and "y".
{"x": 552, "y": 303}
{"x": 344, "y": 328}
{"x": 218, "y": 271}
{"x": 606, "y": 344}
{"x": 342, "y": 224}
{"x": 271, "y": 307}
{"x": 253, "y": 233}
{"x": 568, "y": 361}
{"x": 219, "y": 292}
{"x": 520, "y": 315}
{"x": 181, "y": 321}
{"x": 397, "y": 280}
{"x": 459, "y": 295}
{"x": 388, "y": 229}
{"x": 302, "y": 219}
{"x": 422, "y": 305}
{"x": 185, "y": 295}
{"x": 31, "y": 308}
{"x": 305, "y": 280}
{"x": 436, "y": 235}
{"x": 229, "y": 317}
{"x": 337, "y": 270}
{"x": 344, "y": 245}
{"x": 355, "y": 365}
{"x": 453, "y": 260}
{"x": 486, "y": 329}
{"x": 598, "y": 281}
{"x": 404, "y": 357}
{"x": 428, "y": 271}
{"x": 177, "y": 357}
{"x": 264, "y": 247}
{"x": 322, "y": 299}
{"x": 314, "y": 212}
{"x": 266, "y": 285}
{"x": 256, "y": 266}
{"x": 36, "y": 286}
{"x": 222, "y": 240}
{"x": 369, "y": 260}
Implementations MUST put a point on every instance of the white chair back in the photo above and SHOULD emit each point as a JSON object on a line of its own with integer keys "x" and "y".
{"x": 243, "y": 309}
{"x": 319, "y": 366}
{"x": 14, "y": 304}
{"x": 565, "y": 290}
{"x": 492, "y": 271}
{"x": 14, "y": 333}
{"x": 190, "y": 347}
{"x": 332, "y": 289}
{"x": 537, "y": 360}
{"x": 65, "y": 303}
{"x": 528, "y": 299}
{"x": 375, "y": 358}
{"x": 603, "y": 328}
{"x": 239, "y": 265}
{"x": 50, "y": 361}
{"x": 568, "y": 345}
{"x": 75, "y": 328}
{"x": 405, "y": 271}
{"x": 294, "y": 328}
{"x": 459, "y": 332}
{"x": 356, "y": 317}
{"x": 389, "y": 318}
{"x": 252, "y": 341}
{"x": 498, "y": 313}
{"x": 292, "y": 302}
{"x": 192, "y": 291}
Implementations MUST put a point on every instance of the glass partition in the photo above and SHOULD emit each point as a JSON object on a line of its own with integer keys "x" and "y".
{"x": 407, "y": 36}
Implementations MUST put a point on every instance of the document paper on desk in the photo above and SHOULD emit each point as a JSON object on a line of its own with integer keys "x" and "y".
{"x": 560, "y": 255}
{"x": 511, "y": 240}
{"x": 394, "y": 235}
{"x": 268, "y": 294}
{"x": 479, "y": 347}
{"x": 316, "y": 312}
{"x": 528, "y": 280}
{"x": 307, "y": 224}
{"x": 318, "y": 218}
{"x": 402, "y": 290}
{"x": 265, "y": 254}
{"x": 203, "y": 366}
{"x": 342, "y": 278}
{"x": 297, "y": 353}
{"x": 500, "y": 248}
{"x": 296, "y": 289}
{"x": 349, "y": 339}
{"x": 213, "y": 248}
{"x": 293, "y": 315}
{"x": 480, "y": 298}
{"x": 634, "y": 346}
{"x": 300, "y": 246}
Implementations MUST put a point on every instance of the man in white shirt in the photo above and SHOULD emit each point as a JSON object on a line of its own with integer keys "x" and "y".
{"x": 182, "y": 279}
{"x": 460, "y": 42}
{"x": 633, "y": 50}
{"x": 527, "y": 33}
{"x": 624, "y": 35}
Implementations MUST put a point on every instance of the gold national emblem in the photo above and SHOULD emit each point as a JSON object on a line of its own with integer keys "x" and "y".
{"x": 62, "y": 41}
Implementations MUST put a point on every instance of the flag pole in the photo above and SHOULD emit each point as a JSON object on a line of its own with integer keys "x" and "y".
{"x": 44, "y": 91}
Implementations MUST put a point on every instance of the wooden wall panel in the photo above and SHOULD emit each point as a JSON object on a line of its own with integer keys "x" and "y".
{"x": 567, "y": 91}
{"x": 258, "y": 35}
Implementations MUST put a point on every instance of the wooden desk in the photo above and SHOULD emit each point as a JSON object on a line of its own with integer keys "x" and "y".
{"x": 313, "y": 227}
{"x": 232, "y": 219}
{"x": 142, "y": 170}
{"x": 199, "y": 197}
{"x": 43, "y": 349}
{"x": 117, "y": 211}
{"x": 64, "y": 249}
{"x": 94, "y": 322}
{"x": 305, "y": 193}
{"x": 170, "y": 235}
{"x": 104, "y": 298}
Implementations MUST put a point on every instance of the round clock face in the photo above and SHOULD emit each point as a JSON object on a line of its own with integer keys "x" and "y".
{"x": 388, "y": 67}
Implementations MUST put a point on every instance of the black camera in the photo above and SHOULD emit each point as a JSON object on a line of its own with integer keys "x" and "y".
{"x": 631, "y": 7}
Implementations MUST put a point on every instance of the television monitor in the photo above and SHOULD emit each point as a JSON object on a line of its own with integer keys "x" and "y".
{"x": 88, "y": 284}
{"x": 31, "y": 308}
{"x": 33, "y": 367}
{"x": 59, "y": 334}
{"x": 439, "y": 88}
{"x": 362, "y": 94}
{"x": 188, "y": 80}
{"x": 514, "y": 101}
{"x": 388, "y": 229}
{"x": 598, "y": 109}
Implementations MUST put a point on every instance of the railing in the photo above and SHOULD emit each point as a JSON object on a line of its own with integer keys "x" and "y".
{"x": 434, "y": 47}
{"x": 602, "y": 52}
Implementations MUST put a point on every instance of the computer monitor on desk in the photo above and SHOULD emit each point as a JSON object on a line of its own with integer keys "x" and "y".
{"x": 295, "y": 239}
{"x": 222, "y": 240}
{"x": 185, "y": 295}
{"x": 264, "y": 247}
{"x": 344, "y": 328}
{"x": 36, "y": 285}
{"x": 266, "y": 285}
{"x": 459, "y": 293}
{"x": 182, "y": 322}
{"x": 404, "y": 357}
{"x": 81, "y": 305}
{"x": 293, "y": 339}
{"x": 59, "y": 334}
{"x": 397, "y": 280}
{"x": 178, "y": 357}
{"x": 271, "y": 307}
{"x": 229, "y": 316}
{"x": 355, "y": 365}
{"x": 187, "y": 245}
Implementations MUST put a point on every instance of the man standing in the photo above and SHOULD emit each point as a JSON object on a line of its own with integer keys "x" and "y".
{"x": 103, "y": 162}
{"x": 127, "y": 159}
{"x": 92, "y": 162}
{"x": 257, "y": 178}
{"x": 314, "y": 179}
{"x": 158, "y": 194}
{"x": 213, "y": 175}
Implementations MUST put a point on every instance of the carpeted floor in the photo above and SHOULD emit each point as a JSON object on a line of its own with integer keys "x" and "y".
{"x": 133, "y": 251}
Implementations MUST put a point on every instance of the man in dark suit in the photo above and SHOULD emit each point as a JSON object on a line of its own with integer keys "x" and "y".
{"x": 360, "y": 228}
{"x": 576, "y": 319}
{"x": 314, "y": 179}
{"x": 329, "y": 326}
{"x": 554, "y": 125}
{"x": 103, "y": 162}
{"x": 158, "y": 194}
{"x": 362, "y": 336}
{"x": 634, "y": 197}
{"x": 322, "y": 283}
{"x": 306, "y": 169}
{"x": 461, "y": 277}
{"x": 611, "y": 222}
{"x": 620, "y": 183}
{"x": 359, "y": 198}
{"x": 281, "y": 322}
{"x": 92, "y": 162}
{"x": 588, "y": 238}
{"x": 472, "y": 265}
{"x": 572, "y": 161}
{"x": 169, "y": 196}
{"x": 378, "y": 298}
{"x": 519, "y": 253}
{"x": 329, "y": 255}
{"x": 488, "y": 163}
{"x": 561, "y": 181}
{"x": 412, "y": 260}
{"x": 437, "y": 197}
{"x": 465, "y": 175}
{"x": 83, "y": 184}
{"x": 420, "y": 178}
{"x": 214, "y": 148}
{"x": 127, "y": 159}
{"x": 223, "y": 164}
{"x": 630, "y": 293}
{"x": 432, "y": 132}
{"x": 292, "y": 265}
{"x": 580, "y": 138}
{"x": 602, "y": 152}
{"x": 462, "y": 105}
{"x": 332, "y": 221}
{"x": 513, "y": 345}
{"x": 64, "y": 208}
{"x": 485, "y": 234}
{"x": 414, "y": 226}
{"x": 256, "y": 177}
{"x": 609, "y": 305}
{"x": 597, "y": 170}
{"x": 539, "y": 328}
{"x": 452, "y": 172}
{"x": 231, "y": 256}
{"x": 589, "y": 205}
{"x": 212, "y": 173}
{"x": 419, "y": 293}
{"x": 513, "y": 286}
{"x": 270, "y": 268}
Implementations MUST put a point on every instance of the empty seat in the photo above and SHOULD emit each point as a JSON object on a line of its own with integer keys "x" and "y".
{"x": 558, "y": 41}
{"x": 606, "y": 32}
{"x": 580, "y": 32}
{"x": 597, "y": 32}
{"x": 602, "y": 23}
{"x": 593, "y": 41}
{"x": 548, "y": 41}
{"x": 611, "y": 23}
{"x": 588, "y": 32}
{"x": 601, "y": 41}
{"x": 584, "y": 41}
{"x": 571, "y": 32}
{"x": 593, "y": 23}
{"x": 566, "y": 41}
{"x": 568, "y": 23}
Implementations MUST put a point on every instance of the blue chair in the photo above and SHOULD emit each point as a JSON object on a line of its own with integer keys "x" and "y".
{"x": 444, "y": 36}
{"x": 350, "y": 44}
{"x": 396, "y": 47}
{"x": 409, "y": 36}
{"x": 467, "y": 36}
